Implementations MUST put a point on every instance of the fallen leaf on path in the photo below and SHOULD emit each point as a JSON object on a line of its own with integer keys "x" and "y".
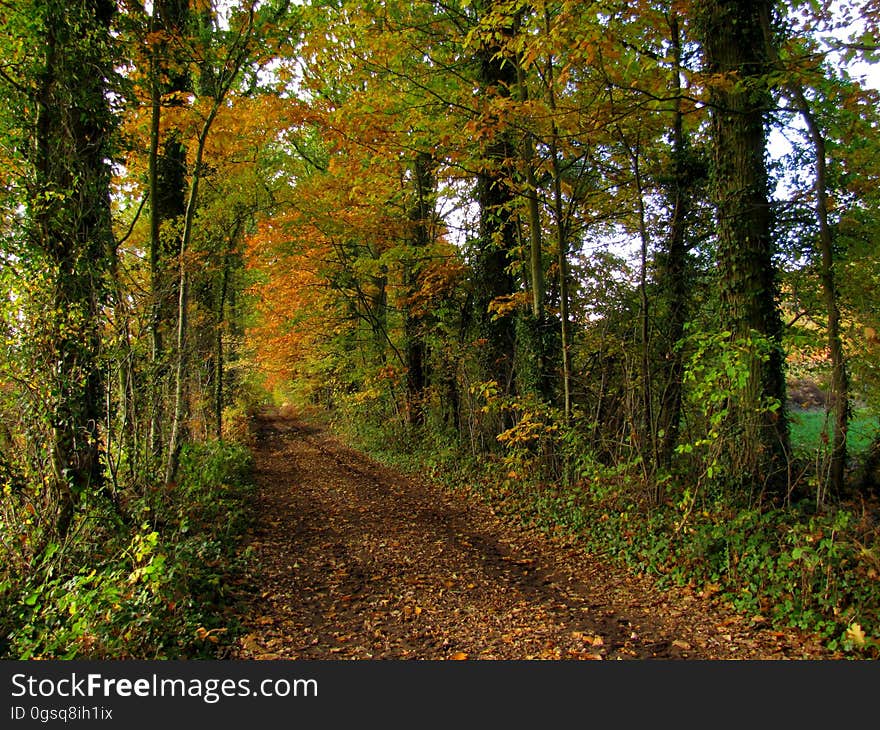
{"x": 251, "y": 644}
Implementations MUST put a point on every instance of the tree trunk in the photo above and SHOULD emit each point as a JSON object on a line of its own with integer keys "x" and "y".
{"x": 537, "y": 324}
{"x": 183, "y": 300}
{"x": 219, "y": 353}
{"x": 649, "y": 430}
{"x": 733, "y": 45}
{"x": 70, "y": 210}
{"x": 167, "y": 184}
{"x": 561, "y": 240}
{"x": 155, "y": 248}
{"x": 421, "y": 220}
{"x": 492, "y": 278}
{"x": 673, "y": 266}
{"x": 839, "y": 400}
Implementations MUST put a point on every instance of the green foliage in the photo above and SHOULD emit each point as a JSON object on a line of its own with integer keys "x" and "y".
{"x": 719, "y": 379}
{"x": 817, "y": 572}
{"x": 157, "y": 589}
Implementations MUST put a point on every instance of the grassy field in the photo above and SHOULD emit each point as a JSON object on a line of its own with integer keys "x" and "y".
{"x": 807, "y": 427}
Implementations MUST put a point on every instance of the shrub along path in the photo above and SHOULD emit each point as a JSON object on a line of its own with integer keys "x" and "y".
{"x": 352, "y": 560}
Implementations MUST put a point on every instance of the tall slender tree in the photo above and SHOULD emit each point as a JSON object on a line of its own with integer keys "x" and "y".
{"x": 168, "y": 78}
{"x": 224, "y": 58}
{"x": 840, "y": 401}
{"x": 686, "y": 174}
{"x": 420, "y": 233}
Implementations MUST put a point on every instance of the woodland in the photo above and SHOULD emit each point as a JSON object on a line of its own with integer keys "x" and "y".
{"x": 612, "y": 266}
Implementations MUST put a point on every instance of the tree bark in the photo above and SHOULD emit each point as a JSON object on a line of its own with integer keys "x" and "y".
{"x": 421, "y": 220}
{"x": 737, "y": 65}
{"x": 167, "y": 184}
{"x": 561, "y": 240}
{"x": 492, "y": 278}
{"x": 537, "y": 324}
{"x": 673, "y": 265}
{"x": 70, "y": 210}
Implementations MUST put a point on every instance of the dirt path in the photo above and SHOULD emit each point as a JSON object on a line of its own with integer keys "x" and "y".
{"x": 355, "y": 561}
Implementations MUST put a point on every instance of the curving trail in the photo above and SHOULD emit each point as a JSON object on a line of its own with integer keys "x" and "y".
{"x": 352, "y": 560}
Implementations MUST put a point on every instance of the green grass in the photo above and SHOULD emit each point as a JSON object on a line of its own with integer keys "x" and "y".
{"x": 807, "y": 427}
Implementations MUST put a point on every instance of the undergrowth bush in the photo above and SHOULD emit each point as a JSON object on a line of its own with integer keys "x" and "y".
{"x": 155, "y": 585}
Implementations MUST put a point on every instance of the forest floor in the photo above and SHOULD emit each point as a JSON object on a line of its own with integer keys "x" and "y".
{"x": 352, "y": 560}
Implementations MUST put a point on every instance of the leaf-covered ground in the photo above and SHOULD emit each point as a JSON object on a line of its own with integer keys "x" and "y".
{"x": 352, "y": 560}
